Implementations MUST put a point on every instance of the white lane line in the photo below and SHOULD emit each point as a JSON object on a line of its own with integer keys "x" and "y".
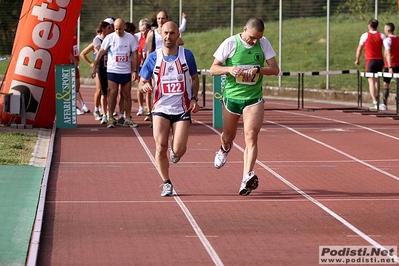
{"x": 338, "y": 151}
{"x": 311, "y": 199}
{"x": 342, "y": 122}
{"x": 212, "y": 253}
{"x": 215, "y": 201}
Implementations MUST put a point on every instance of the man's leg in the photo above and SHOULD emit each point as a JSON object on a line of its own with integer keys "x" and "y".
{"x": 179, "y": 138}
{"x": 230, "y": 122}
{"x": 140, "y": 101}
{"x": 385, "y": 93}
{"x": 113, "y": 93}
{"x": 161, "y": 129}
{"x": 148, "y": 104}
{"x": 126, "y": 98}
{"x": 253, "y": 120}
{"x": 373, "y": 89}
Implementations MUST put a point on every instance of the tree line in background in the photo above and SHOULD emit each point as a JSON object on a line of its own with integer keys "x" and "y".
{"x": 202, "y": 15}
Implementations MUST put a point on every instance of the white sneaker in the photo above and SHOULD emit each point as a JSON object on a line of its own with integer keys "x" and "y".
{"x": 140, "y": 112}
{"x": 148, "y": 116}
{"x": 104, "y": 120}
{"x": 173, "y": 157}
{"x": 221, "y": 157}
{"x": 85, "y": 109}
{"x": 79, "y": 112}
{"x": 167, "y": 190}
{"x": 129, "y": 123}
{"x": 383, "y": 107}
{"x": 249, "y": 182}
{"x": 97, "y": 115}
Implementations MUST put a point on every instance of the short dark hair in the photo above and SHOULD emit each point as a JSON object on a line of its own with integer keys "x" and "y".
{"x": 373, "y": 23}
{"x": 130, "y": 27}
{"x": 390, "y": 26}
{"x": 255, "y": 23}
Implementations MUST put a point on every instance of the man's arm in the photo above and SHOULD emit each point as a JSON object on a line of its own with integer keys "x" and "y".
{"x": 148, "y": 43}
{"x": 218, "y": 69}
{"x": 135, "y": 65}
{"x": 145, "y": 85}
{"x": 358, "y": 53}
{"x": 271, "y": 69}
{"x": 194, "y": 93}
{"x": 388, "y": 57}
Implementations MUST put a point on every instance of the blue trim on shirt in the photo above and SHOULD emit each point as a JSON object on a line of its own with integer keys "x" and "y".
{"x": 149, "y": 64}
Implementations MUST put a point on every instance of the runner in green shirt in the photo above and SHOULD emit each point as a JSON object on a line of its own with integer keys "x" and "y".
{"x": 241, "y": 58}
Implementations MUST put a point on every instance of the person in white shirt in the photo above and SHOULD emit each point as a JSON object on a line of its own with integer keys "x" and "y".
{"x": 122, "y": 68}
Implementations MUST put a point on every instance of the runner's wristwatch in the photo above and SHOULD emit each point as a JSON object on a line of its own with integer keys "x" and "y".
{"x": 194, "y": 98}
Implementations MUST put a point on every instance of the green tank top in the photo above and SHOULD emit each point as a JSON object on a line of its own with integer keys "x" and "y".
{"x": 236, "y": 88}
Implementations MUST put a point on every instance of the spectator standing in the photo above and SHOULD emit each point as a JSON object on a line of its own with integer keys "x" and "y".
{"x": 175, "y": 98}
{"x": 101, "y": 94}
{"x": 372, "y": 42}
{"x": 122, "y": 68}
{"x": 74, "y": 58}
{"x": 241, "y": 58}
{"x": 391, "y": 54}
{"x": 144, "y": 28}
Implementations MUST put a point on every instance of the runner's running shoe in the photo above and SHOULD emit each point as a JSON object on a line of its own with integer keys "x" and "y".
{"x": 249, "y": 182}
{"x": 79, "y": 112}
{"x": 221, "y": 156}
{"x": 140, "y": 112}
{"x": 173, "y": 157}
{"x": 129, "y": 123}
{"x": 120, "y": 121}
{"x": 111, "y": 123}
{"x": 97, "y": 115}
{"x": 148, "y": 116}
{"x": 85, "y": 108}
{"x": 104, "y": 120}
{"x": 167, "y": 189}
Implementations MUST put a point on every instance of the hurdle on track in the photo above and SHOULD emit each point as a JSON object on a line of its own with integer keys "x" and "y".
{"x": 379, "y": 75}
{"x": 301, "y": 82}
{"x": 301, "y": 87}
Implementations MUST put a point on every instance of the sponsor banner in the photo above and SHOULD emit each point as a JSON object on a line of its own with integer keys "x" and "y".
{"x": 219, "y": 83}
{"x": 363, "y": 255}
{"x": 44, "y": 39}
{"x": 65, "y": 96}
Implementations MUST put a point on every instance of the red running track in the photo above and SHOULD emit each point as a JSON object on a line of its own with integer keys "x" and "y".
{"x": 327, "y": 178}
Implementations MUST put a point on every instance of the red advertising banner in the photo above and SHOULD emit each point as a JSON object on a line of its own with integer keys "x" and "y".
{"x": 44, "y": 39}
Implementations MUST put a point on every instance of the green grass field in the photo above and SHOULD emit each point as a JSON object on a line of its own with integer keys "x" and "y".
{"x": 16, "y": 148}
{"x": 304, "y": 46}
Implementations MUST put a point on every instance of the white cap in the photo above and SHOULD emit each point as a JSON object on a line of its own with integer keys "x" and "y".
{"x": 109, "y": 20}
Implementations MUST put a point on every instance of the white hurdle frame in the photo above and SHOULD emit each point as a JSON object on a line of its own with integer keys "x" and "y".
{"x": 379, "y": 75}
